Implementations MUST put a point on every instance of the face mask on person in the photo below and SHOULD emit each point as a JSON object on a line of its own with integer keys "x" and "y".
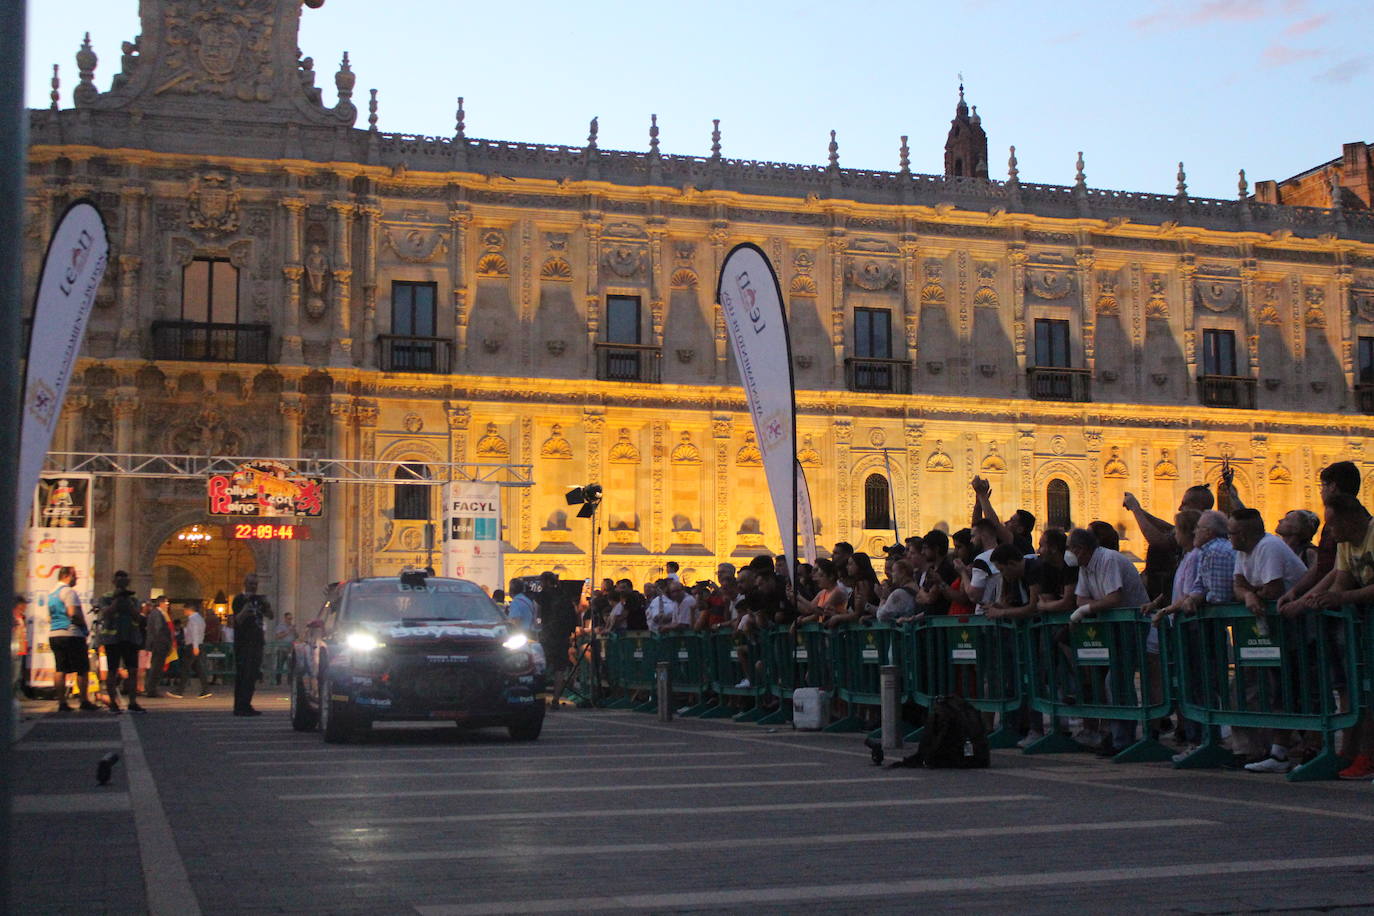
{"x": 1070, "y": 558}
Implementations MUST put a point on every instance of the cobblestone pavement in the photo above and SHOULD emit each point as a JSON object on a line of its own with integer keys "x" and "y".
{"x": 616, "y": 812}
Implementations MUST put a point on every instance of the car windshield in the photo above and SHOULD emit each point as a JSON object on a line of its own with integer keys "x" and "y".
{"x": 434, "y": 599}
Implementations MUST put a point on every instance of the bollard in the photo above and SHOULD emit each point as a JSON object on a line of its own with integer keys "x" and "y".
{"x": 664, "y": 681}
{"x": 892, "y": 734}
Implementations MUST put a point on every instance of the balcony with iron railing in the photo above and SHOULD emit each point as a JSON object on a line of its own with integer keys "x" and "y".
{"x": 1364, "y": 397}
{"x": 397, "y": 353}
{"x": 1227, "y": 391}
{"x": 1059, "y": 383}
{"x": 617, "y": 362}
{"x": 889, "y": 376}
{"x": 203, "y": 341}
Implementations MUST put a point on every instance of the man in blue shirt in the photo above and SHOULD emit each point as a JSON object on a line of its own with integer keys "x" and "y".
{"x": 522, "y": 609}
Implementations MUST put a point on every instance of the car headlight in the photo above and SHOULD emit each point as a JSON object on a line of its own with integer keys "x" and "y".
{"x": 362, "y": 642}
{"x": 517, "y": 641}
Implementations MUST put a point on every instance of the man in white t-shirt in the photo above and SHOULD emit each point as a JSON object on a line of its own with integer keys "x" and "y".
{"x": 683, "y": 607}
{"x": 1265, "y": 569}
{"x": 985, "y": 582}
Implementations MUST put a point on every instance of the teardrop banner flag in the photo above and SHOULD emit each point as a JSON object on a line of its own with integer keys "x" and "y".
{"x": 72, "y": 269}
{"x": 805, "y": 520}
{"x": 756, "y": 324}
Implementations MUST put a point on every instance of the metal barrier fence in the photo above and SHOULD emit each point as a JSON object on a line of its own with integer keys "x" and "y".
{"x": 1222, "y": 668}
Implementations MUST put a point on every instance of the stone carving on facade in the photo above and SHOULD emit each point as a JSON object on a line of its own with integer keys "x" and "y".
{"x": 683, "y": 278}
{"x": 749, "y": 454}
{"x": 1114, "y": 466}
{"x": 808, "y": 457}
{"x": 491, "y": 445}
{"x": 416, "y": 246}
{"x": 1362, "y": 301}
{"x": 556, "y": 447}
{"x": 1107, "y": 303}
{"x": 1165, "y": 469}
{"x": 1157, "y": 306}
{"x": 994, "y": 463}
{"x": 316, "y": 280}
{"x": 985, "y": 295}
{"x": 207, "y": 433}
{"x": 1268, "y": 312}
{"x": 685, "y": 452}
{"x": 1279, "y": 472}
{"x": 493, "y": 266}
{"x": 933, "y": 290}
{"x": 557, "y": 269}
{"x": 624, "y": 451}
{"x": 1217, "y": 295}
{"x": 413, "y": 423}
{"x": 1316, "y": 298}
{"x": 214, "y": 52}
{"x": 625, "y": 261}
{"x": 939, "y": 460}
{"x": 1049, "y": 284}
{"x": 804, "y": 286}
{"x": 212, "y": 203}
{"x": 555, "y": 347}
{"x": 872, "y": 274}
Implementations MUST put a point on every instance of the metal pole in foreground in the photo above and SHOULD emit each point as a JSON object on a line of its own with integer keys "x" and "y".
{"x": 14, "y": 137}
{"x": 663, "y": 680}
{"x": 892, "y": 735}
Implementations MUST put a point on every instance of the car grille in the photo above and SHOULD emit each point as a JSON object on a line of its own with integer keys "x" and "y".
{"x": 455, "y": 684}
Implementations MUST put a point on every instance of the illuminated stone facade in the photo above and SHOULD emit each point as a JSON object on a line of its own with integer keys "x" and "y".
{"x": 574, "y": 327}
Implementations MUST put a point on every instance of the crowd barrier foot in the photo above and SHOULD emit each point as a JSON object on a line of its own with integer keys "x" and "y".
{"x": 914, "y": 736}
{"x": 1209, "y": 756}
{"x": 847, "y": 724}
{"x": 696, "y": 711}
{"x": 622, "y": 703}
{"x": 718, "y": 711}
{"x": 1323, "y": 766}
{"x": 874, "y": 735}
{"x": 1002, "y": 737}
{"x": 1055, "y": 743}
{"x": 780, "y": 716}
{"x": 649, "y": 706}
{"x": 1146, "y": 750}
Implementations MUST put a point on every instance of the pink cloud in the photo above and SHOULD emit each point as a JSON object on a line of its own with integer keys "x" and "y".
{"x": 1303, "y": 26}
{"x": 1230, "y": 11}
{"x": 1277, "y": 55}
{"x": 1347, "y": 70}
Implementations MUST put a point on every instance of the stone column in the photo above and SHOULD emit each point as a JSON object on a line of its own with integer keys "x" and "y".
{"x": 914, "y": 432}
{"x": 1092, "y": 438}
{"x": 125, "y": 406}
{"x": 1025, "y": 461}
{"x": 293, "y": 270}
{"x": 658, "y": 270}
{"x": 1259, "y": 453}
{"x": 911, "y": 298}
{"x": 372, "y": 214}
{"x": 844, "y": 433}
{"x": 1017, "y": 257}
{"x": 1345, "y": 279}
{"x": 594, "y": 423}
{"x": 129, "y": 335}
{"x": 1249, "y": 273}
{"x": 73, "y": 412}
{"x": 459, "y": 219}
{"x": 362, "y": 508}
{"x": 592, "y": 227}
{"x": 835, "y": 244}
{"x": 1084, "y": 259}
{"x": 291, "y": 406}
{"x": 341, "y": 347}
{"x": 719, "y": 235}
{"x": 1187, "y": 268}
{"x": 341, "y": 447}
{"x": 1197, "y": 457}
{"x": 720, "y": 459}
{"x": 658, "y": 498}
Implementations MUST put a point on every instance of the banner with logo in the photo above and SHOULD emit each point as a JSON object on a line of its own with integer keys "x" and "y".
{"x": 72, "y": 269}
{"x": 265, "y": 489}
{"x": 61, "y": 535}
{"x": 756, "y": 324}
{"x": 806, "y": 522}
{"x": 472, "y": 533}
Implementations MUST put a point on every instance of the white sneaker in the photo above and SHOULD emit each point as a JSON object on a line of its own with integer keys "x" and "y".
{"x": 1183, "y": 754}
{"x": 1031, "y": 738}
{"x": 683, "y": 710}
{"x": 744, "y": 683}
{"x": 1270, "y": 765}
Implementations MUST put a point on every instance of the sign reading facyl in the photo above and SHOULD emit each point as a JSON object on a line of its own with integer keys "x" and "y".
{"x": 472, "y": 533}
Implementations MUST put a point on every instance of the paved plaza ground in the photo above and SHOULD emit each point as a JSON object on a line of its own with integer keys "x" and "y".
{"x": 616, "y": 812}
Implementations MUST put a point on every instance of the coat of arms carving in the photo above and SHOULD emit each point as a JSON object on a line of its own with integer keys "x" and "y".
{"x": 213, "y": 203}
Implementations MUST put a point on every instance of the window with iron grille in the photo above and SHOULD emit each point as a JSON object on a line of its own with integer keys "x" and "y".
{"x": 413, "y": 308}
{"x": 873, "y": 333}
{"x": 1366, "y": 357}
{"x": 1218, "y": 352}
{"x": 1057, "y": 514}
{"x": 210, "y": 291}
{"x": 412, "y": 499}
{"x": 877, "y": 502}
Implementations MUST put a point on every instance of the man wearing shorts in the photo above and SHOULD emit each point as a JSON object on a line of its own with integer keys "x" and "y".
{"x": 67, "y": 639}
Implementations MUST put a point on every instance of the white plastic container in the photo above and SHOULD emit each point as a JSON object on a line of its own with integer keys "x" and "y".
{"x": 810, "y": 709}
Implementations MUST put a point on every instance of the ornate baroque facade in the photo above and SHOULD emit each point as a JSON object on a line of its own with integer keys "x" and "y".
{"x": 284, "y": 283}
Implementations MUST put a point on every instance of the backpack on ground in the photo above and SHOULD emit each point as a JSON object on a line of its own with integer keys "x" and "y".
{"x": 954, "y": 736}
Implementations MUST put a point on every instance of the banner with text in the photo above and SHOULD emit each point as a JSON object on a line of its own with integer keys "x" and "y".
{"x": 61, "y": 535}
{"x": 806, "y": 522}
{"x": 72, "y": 269}
{"x": 756, "y": 324}
{"x": 472, "y": 533}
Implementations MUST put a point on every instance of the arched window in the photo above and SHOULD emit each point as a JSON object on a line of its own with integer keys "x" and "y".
{"x": 412, "y": 499}
{"x": 1057, "y": 514}
{"x": 877, "y": 502}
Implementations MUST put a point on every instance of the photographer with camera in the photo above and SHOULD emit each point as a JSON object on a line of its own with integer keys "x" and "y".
{"x": 249, "y": 609}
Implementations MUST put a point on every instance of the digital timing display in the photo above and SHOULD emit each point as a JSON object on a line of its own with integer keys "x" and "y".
{"x": 268, "y": 532}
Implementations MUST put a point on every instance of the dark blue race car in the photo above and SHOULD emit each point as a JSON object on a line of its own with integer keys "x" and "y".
{"x": 414, "y": 648}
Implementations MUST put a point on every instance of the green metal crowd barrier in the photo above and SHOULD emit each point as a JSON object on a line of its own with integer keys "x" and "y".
{"x": 219, "y": 661}
{"x": 975, "y": 658}
{"x": 1312, "y": 673}
{"x": 1270, "y": 673}
{"x": 1099, "y": 668}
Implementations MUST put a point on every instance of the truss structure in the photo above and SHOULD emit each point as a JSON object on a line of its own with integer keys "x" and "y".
{"x": 331, "y": 470}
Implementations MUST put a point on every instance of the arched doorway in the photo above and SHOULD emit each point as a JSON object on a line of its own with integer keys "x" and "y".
{"x": 200, "y": 562}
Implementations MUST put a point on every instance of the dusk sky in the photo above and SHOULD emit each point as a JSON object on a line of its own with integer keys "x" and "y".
{"x": 1271, "y": 86}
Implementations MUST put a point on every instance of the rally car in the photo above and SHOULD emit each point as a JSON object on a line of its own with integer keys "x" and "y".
{"x": 414, "y": 647}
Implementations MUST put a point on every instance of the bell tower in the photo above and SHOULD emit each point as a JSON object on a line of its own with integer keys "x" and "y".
{"x": 966, "y": 148}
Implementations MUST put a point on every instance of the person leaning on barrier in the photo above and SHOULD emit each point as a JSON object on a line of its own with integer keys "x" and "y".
{"x": 1340, "y": 477}
{"x": 1206, "y": 574}
{"x": 1265, "y": 568}
{"x": 1021, "y": 584}
{"x": 1162, "y": 554}
{"x": 831, "y": 600}
{"x": 1056, "y": 577}
{"x": 900, "y": 602}
{"x": 934, "y": 586}
{"x": 1297, "y": 528}
{"x": 1350, "y": 582}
